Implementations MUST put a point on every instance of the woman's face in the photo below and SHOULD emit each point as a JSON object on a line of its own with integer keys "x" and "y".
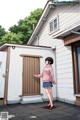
{"x": 46, "y": 62}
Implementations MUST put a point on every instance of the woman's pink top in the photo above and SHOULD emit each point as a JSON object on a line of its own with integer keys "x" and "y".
{"x": 47, "y": 74}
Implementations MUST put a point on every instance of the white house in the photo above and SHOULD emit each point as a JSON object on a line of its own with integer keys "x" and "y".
{"x": 18, "y": 64}
{"x": 59, "y": 28}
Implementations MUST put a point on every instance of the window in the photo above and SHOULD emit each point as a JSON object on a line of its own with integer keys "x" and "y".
{"x": 54, "y": 24}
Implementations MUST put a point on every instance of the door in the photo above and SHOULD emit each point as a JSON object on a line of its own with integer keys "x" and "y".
{"x": 31, "y": 85}
{"x": 76, "y": 66}
{"x": 2, "y": 73}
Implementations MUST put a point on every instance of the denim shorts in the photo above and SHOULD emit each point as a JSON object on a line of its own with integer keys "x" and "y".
{"x": 47, "y": 84}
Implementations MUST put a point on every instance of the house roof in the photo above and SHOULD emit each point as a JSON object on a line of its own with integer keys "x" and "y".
{"x": 66, "y": 2}
{"x": 51, "y": 4}
{"x": 24, "y": 46}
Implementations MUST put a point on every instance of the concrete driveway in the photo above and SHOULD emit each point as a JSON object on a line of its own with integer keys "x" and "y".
{"x": 63, "y": 111}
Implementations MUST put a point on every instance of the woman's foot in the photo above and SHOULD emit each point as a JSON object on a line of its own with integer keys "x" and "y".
{"x": 48, "y": 105}
{"x": 51, "y": 107}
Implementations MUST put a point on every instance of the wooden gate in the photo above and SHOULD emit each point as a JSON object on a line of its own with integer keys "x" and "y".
{"x": 31, "y": 66}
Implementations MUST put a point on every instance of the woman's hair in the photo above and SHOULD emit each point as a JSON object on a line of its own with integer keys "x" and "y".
{"x": 50, "y": 60}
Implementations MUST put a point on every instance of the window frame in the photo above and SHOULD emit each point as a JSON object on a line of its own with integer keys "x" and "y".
{"x": 52, "y": 21}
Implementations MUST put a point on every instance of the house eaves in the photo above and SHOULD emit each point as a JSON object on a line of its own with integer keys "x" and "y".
{"x": 50, "y": 5}
{"x": 68, "y": 2}
{"x": 46, "y": 10}
{"x": 24, "y": 46}
{"x": 75, "y": 27}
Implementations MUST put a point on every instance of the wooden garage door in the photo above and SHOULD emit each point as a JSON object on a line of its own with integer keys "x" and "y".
{"x": 31, "y": 85}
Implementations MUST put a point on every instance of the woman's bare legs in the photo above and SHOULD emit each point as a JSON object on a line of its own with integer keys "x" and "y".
{"x": 49, "y": 94}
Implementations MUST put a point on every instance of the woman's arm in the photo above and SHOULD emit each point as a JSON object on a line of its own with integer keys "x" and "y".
{"x": 39, "y": 75}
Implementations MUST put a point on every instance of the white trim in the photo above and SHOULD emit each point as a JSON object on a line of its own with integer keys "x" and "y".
{"x": 77, "y": 95}
{"x": 13, "y": 101}
{"x": 31, "y": 99}
{"x": 24, "y": 46}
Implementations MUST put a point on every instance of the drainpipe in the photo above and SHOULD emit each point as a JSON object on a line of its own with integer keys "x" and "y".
{"x": 54, "y": 50}
{"x": 37, "y": 39}
{"x": 78, "y": 33}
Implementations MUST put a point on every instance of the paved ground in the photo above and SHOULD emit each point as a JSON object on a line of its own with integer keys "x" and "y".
{"x": 36, "y": 111}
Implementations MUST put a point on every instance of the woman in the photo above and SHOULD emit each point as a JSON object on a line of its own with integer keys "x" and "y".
{"x": 48, "y": 80}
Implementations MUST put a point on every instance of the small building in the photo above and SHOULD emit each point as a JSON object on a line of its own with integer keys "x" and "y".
{"x": 59, "y": 27}
{"x": 18, "y": 64}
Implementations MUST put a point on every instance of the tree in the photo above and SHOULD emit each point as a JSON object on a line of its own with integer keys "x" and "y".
{"x": 2, "y": 32}
{"x": 10, "y": 37}
{"x": 25, "y": 27}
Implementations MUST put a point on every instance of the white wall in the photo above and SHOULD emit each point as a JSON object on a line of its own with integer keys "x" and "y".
{"x": 15, "y": 70}
{"x": 3, "y": 56}
{"x": 64, "y": 69}
{"x": 68, "y": 16}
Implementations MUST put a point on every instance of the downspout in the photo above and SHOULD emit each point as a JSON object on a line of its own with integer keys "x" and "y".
{"x": 54, "y": 50}
{"x": 37, "y": 37}
{"x": 72, "y": 31}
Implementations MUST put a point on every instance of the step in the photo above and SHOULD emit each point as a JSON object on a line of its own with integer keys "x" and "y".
{"x": 77, "y": 100}
{"x": 31, "y": 99}
{"x": 77, "y": 103}
{"x": 1, "y": 102}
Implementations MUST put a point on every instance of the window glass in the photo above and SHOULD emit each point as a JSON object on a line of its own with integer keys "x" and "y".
{"x": 51, "y": 26}
{"x": 54, "y": 24}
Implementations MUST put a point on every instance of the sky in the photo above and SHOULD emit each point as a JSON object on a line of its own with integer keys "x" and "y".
{"x": 11, "y": 11}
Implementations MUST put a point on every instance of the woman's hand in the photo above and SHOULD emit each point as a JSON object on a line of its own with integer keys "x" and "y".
{"x": 35, "y": 75}
{"x": 54, "y": 82}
